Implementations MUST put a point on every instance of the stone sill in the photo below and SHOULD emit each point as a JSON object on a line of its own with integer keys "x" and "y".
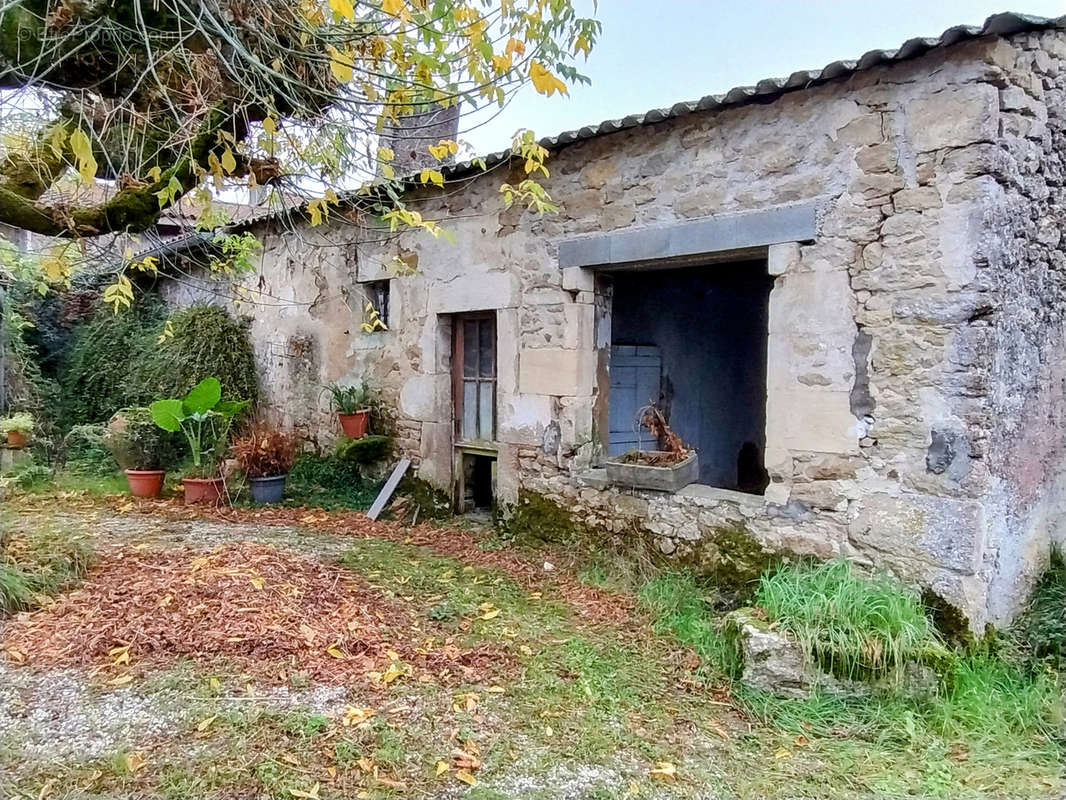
{"x": 597, "y": 479}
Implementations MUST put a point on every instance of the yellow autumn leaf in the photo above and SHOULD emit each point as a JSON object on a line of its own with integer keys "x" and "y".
{"x": 465, "y": 777}
{"x": 442, "y": 767}
{"x": 393, "y": 672}
{"x": 270, "y": 126}
{"x": 135, "y": 761}
{"x": 663, "y": 770}
{"x": 356, "y": 716}
{"x": 395, "y": 8}
{"x": 340, "y": 65}
{"x": 121, "y": 655}
{"x": 82, "y": 148}
{"x": 229, "y": 163}
{"x": 431, "y": 176}
{"x": 335, "y": 651}
{"x": 544, "y": 81}
{"x": 343, "y": 7}
{"x": 204, "y": 724}
{"x": 214, "y": 683}
{"x": 256, "y": 582}
{"x": 310, "y": 794}
{"x": 155, "y": 173}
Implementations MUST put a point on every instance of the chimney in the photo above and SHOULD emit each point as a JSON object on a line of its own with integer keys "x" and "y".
{"x": 410, "y": 138}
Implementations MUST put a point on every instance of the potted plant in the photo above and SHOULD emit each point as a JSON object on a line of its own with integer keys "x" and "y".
{"x": 352, "y": 404}
{"x": 265, "y": 455}
{"x": 204, "y": 418}
{"x": 670, "y": 468}
{"x": 17, "y": 428}
{"x": 142, "y": 449}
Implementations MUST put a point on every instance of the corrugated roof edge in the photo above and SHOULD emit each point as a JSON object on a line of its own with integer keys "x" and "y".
{"x": 1004, "y": 24}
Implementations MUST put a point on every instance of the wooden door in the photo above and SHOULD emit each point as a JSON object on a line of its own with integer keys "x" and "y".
{"x": 636, "y": 372}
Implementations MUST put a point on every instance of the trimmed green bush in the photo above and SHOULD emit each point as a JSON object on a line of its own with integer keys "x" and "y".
{"x": 206, "y": 342}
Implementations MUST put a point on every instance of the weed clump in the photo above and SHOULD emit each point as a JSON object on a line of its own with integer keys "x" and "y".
{"x": 330, "y": 483}
{"x": 852, "y": 626}
{"x": 1042, "y": 629}
{"x": 37, "y": 564}
{"x": 535, "y": 518}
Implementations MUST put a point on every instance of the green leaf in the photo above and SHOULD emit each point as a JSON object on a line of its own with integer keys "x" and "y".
{"x": 229, "y": 408}
{"x": 203, "y": 397}
{"x": 167, "y": 414}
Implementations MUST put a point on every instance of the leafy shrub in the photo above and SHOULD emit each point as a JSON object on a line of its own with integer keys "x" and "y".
{"x": 1042, "y": 629}
{"x": 264, "y": 451}
{"x": 95, "y": 376}
{"x": 329, "y": 483}
{"x": 365, "y": 450}
{"x": 32, "y": 476}
{"x": 206, "y": 342}
{"x": 85, "y": 451}
{"x": 136, "y": 442}
{"x": 853, "y": 626}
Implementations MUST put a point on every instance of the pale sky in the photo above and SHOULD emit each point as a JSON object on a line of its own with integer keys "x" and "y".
{"x": 655, "y": 53}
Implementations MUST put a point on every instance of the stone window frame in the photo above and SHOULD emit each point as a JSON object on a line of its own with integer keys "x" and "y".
{"x": 774, "y": 233}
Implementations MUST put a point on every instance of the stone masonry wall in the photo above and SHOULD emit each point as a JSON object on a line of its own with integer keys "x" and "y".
{"x": 914, "y": 380}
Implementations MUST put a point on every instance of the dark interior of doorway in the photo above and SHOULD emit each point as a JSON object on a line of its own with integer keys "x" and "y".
{"x": 705, "y": 328}
{"x": 478, "y": 490}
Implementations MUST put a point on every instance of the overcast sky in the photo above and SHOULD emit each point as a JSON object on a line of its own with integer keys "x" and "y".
{"x": 654, "y": 53}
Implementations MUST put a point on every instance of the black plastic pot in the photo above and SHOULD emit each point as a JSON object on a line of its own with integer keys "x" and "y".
{"x": 268, "y": 490}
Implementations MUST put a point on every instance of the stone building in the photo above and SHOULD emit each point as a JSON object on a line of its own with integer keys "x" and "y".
{"x": 844, "y": 288}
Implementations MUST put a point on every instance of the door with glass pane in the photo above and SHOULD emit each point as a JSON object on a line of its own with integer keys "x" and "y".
{"x": 474, "y": 377}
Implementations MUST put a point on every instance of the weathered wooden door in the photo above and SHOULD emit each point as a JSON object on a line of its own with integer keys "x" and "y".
{"x": 636, "y": 371}
{"x": 474, "y": 377}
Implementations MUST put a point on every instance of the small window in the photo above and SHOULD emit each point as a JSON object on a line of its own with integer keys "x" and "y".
{"x": 377, "y": 294}
{"x": 474, "y": 377}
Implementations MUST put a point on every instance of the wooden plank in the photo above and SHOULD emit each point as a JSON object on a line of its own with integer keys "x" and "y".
{"x": 390, "y": 486}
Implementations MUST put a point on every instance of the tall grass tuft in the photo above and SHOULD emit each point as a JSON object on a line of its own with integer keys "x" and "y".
{"x": 852, "y": 626}
{"x": 37, "y": 564}
{"x": 680, "y": 605}
{"x": 1042, "y": 629}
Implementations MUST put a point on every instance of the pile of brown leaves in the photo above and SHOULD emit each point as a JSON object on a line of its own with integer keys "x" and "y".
{"x": 272, "y": 612}
{"x": 590, "y": 603}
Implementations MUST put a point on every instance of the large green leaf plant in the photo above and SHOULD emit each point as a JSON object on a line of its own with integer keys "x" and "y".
{"x": 204, "y": 418}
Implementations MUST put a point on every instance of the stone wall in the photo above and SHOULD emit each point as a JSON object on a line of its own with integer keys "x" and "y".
{"x": 914, "y": 380}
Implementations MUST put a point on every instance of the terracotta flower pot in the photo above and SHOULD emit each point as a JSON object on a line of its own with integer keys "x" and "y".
{"x": 145, "y": 482}
{"x": 17, "y": 439}
{"x": 203, "y": 490}
{"x": 355, "y": 425}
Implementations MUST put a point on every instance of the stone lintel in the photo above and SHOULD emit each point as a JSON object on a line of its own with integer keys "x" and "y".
{"x": 722, "y": 233}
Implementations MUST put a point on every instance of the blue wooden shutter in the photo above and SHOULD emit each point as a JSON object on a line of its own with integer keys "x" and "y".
{"x": 635, "y": 377}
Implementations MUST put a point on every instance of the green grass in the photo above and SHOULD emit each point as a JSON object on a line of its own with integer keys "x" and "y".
{"x": 852, "y": 626}
{"x": 1042, "y": 629}
{"x": 990, "y": 725}
{"x": 680, "y": 604}
{"x": 39, "y": 562}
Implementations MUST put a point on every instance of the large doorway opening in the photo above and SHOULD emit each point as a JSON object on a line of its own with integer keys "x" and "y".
{"x": 693, "y": 341}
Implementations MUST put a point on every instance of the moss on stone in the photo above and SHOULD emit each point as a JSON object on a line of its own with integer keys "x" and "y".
{"x": 947, "y": 618}
{"x": 432, "y": 503}
{"x": 365, "y": 450}
{"x": 734, "y": 560}
{"x": 536, "y": 518}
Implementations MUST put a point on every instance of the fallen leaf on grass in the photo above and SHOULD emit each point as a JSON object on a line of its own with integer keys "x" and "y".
{"x": 487, "y": 611}
{"x": 442, "y": 767}
{"x": 465, "y": 777}
{"x": 782, "y": 752}
{"x": 335, "y": 651}
{"x": 356, "y": 716}
{"x": 121, "y": 655}
{"x": 310, "y": 794}
{"x": 204, "y": 724}
{"x": 664, "y": 771}
{"x": 721, "y": 732}
{"x": 135, "y": 761}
